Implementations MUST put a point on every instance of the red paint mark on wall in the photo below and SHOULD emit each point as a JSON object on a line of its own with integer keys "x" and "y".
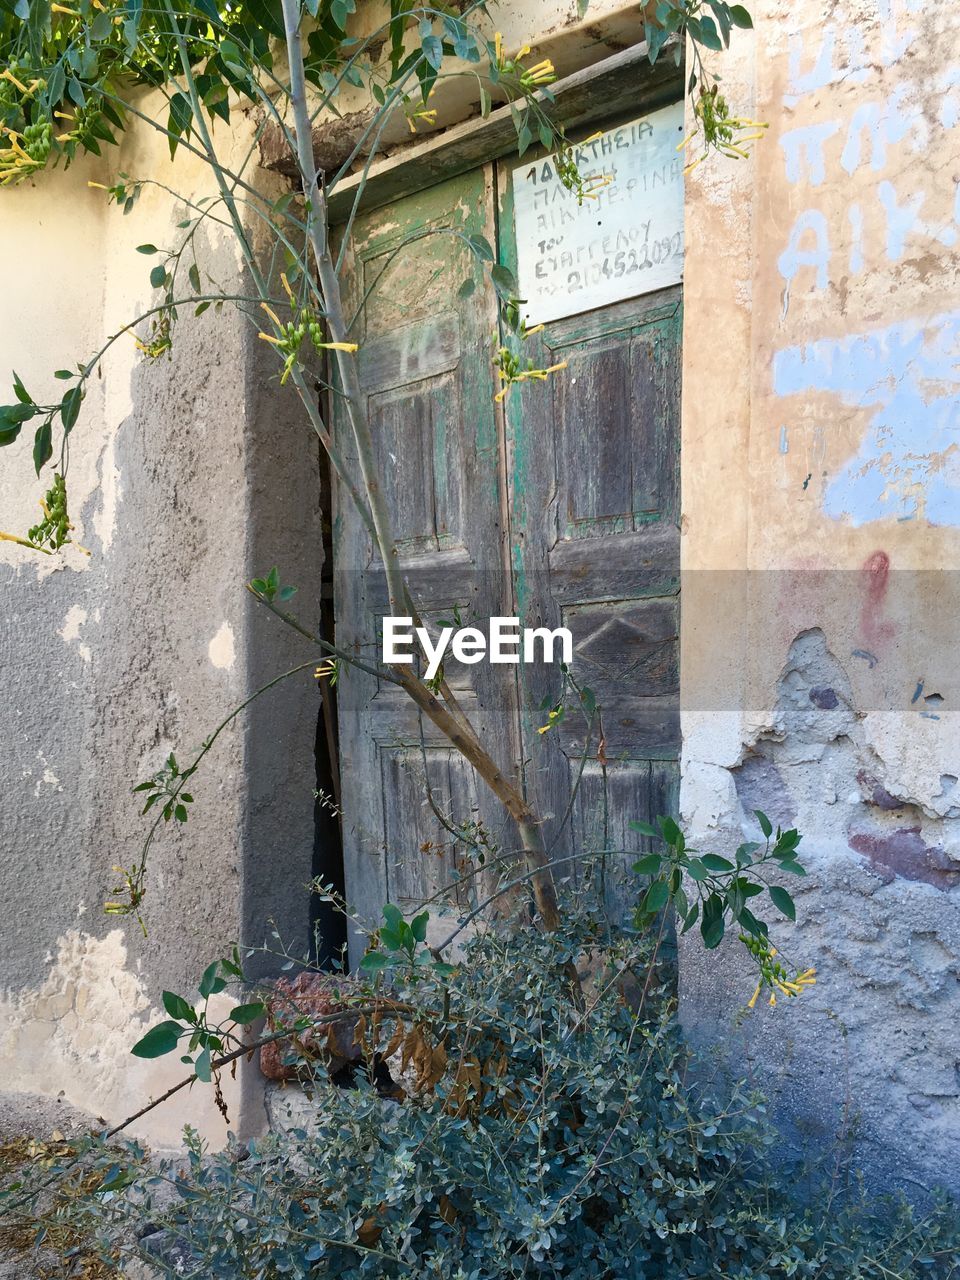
{"x": 876, "y": 580}
{"x": 904, "y": 853}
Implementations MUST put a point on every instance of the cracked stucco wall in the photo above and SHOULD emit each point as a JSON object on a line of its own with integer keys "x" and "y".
{"x": 821, "y": 606}
{"x": 109, "y": 662}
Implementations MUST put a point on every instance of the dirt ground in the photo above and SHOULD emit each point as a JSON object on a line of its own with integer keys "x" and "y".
{"x": 29, "y": 1125}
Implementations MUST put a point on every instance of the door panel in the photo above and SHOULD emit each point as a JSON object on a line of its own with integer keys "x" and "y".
{"x": 425, "y": 370}
{"x": 593, "y": 493}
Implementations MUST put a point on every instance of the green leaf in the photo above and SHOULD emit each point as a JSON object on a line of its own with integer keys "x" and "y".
{"x": 373, "y": 961}
{"x": 711, "y": 930}
{"x": 202, "y": 1067}
{"x": 159, "y": 1040}
{"x": 787, "y": 843}
{"x": 158, "y": 276}
{"x": 43, "y": 445}
{"x": 680, "y": 902}
{"x": 244, "y": 1014}
{"x": 193, "y": 275}
{"x": 671, "y": 832}
{"x": 177, "y": 1007}
{"x": 393, "y": 916}
{"x": 147, "y": 248}
{"x": 209, "y": 982}
{"x": 20, "y": 391}
{"x": 656, "y": 897}
{"x": 64, "y": 374}
{"x": 418, "y": 925}
{"x": 432, "y": 47}
{"x": 648, "y": 866}
{"x": 12, "y": 417}
{"x": 766, "y": 826}
{"x": 70, "y": 407}
{"x": 713, "y": 862}
{"x": 745, "y": 852}
{"x": 783, "y": 902}
{"x": 101, "y": 27}
{"x": 645, "y": 829}
{"x": 504, "y": 281}
{"x": 697, "y": 871}
{"x": 751, "y": 923}
{"x": 794, "y": 868}
{"x": 393, "y": 939}
{"x": 740, "y": 17}
{"x": 467, "y": 288}
{"x": 691, "y": 919}
{"x": 481, "y": 247}
{"x": 712, "y": 922}
{"x": 180, "y": 120}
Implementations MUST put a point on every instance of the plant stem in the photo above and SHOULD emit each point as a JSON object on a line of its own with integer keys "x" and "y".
{"x": 452, "y": 724}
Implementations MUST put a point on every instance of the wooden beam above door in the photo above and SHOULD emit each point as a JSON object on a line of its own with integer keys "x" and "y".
{"x": 622, "y": 84}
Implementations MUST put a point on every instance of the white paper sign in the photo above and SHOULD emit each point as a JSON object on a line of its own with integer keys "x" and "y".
{"x": 627, "y": 241}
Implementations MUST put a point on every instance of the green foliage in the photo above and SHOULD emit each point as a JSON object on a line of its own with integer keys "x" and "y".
{"x": 166, "y": 789}
{"x": 400, "y": 943}
{"x": 533, "y": 1142}
{"x": 269, "y": 588}
{"x": 205, "y": 1036}
{"x": 715, "y": 891}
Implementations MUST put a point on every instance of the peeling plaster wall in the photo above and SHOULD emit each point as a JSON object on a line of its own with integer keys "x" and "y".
{"x": 187, "y": 476}
{"x": 821, "y": 498}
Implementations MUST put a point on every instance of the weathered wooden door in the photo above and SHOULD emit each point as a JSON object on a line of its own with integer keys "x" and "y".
{"x": 562, "y": 508}
{"x": 426, "y": 372}
{"x": 594, "y": 509}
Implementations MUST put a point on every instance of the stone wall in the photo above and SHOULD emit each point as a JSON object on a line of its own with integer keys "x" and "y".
{"x": 820, "y": 595}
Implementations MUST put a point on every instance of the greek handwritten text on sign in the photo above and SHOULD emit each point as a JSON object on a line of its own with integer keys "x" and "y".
{"x": 625, "y": 242}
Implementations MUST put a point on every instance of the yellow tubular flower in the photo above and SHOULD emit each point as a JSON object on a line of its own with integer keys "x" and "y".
{"x": 7, "y": 74}
{"x": 22, "y": 542}
{"x": 272, "y": 314}
{"x": 754, "y": 998}
{"x": 59, "y": 8}
{"x": 339, "y": 346}
{"x": 497, "y": 47}
{"x": 268, "y": 337}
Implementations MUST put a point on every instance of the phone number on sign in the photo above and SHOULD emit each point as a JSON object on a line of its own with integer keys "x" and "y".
{"x": 627, "y": 261}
